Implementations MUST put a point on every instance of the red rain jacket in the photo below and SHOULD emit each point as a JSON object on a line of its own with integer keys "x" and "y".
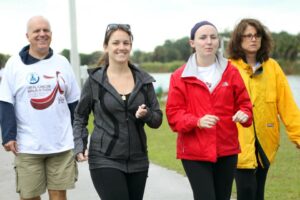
{"x": 189, "y": 99}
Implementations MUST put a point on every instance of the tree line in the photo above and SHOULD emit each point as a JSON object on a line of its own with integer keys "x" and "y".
{"x": 173, "y": 53}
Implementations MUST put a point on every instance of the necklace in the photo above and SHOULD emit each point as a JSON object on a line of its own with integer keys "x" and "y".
{"x": 123, "y": 97}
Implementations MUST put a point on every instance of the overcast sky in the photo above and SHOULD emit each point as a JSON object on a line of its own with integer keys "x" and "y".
{"x": 152, "y": 21}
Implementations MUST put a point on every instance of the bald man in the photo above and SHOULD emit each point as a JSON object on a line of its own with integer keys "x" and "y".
{"x": 38, "y": 95}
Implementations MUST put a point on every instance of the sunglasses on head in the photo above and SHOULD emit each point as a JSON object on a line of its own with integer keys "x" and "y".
{"x": 125, "y": 27}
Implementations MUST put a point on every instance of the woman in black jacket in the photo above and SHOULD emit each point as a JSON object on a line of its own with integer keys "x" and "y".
{"x": 122, "y": 99}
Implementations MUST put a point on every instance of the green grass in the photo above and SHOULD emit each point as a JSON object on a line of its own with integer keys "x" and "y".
{"x": 284, "y": 177}
{"x": 162, "y": 147}
{"x": 283, "y": 182}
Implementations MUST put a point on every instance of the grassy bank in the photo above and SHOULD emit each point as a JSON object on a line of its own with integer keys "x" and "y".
{"x": 283, "y": 181}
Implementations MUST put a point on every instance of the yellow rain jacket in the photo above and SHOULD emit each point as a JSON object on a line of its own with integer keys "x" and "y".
{"x": 272, "y": 99}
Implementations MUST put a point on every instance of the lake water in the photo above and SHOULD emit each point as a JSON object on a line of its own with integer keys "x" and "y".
{"x": 162, "y": 81}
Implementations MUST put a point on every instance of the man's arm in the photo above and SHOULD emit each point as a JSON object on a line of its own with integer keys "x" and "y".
{"x": 72, "y": 107}
{"x": 8, "y": 126}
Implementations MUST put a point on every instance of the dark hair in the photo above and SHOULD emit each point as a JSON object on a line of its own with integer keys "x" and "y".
{"x": 109, "y": 31}
{"x": 234, "y": 48}
{"x": 197, "y": 26}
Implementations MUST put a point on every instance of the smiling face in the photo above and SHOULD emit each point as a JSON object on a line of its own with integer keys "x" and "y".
{"x": 206, "y": 41}
{"x": 118, "y": 47}
{"x": 251, "y": 40}
{"x": 39, "y": 36}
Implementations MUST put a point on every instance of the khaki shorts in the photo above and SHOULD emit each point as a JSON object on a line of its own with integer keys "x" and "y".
{"x": 35, "y": 173}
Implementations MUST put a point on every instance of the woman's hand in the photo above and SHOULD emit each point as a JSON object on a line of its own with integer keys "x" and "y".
{"x": 240, "y": 116}
{"x": 207, "y": 121}
{"x": 141, "y": 112}
{"x": 82, "y": 157}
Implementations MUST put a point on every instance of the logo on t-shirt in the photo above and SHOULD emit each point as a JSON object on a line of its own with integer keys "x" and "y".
{"x": 225, "y": 84}
{"x": 33, "y": 78}
{"x": 208, "y": 84}
{"x": 45, "y": 102}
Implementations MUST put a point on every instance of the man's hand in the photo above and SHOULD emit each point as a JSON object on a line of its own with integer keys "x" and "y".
{"x": 11, "y": 146}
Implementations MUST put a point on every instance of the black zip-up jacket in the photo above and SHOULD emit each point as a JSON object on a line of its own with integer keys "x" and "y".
{"x": 117, "y": 133}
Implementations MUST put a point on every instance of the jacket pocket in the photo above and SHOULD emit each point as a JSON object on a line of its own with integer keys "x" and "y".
{"x": 18, "y": 190}
{"x": 100, "y": 141}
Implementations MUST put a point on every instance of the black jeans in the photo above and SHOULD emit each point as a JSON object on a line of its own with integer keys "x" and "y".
{"x": 211, "y": 181}
{"x": 250, "y": 183}
{"x": 113, "y": 184}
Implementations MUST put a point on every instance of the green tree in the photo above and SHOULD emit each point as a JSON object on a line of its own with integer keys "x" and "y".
{"x": 173, "y": 50}
{"x": 90, "y": 59}
{"x": 3, "y": 59}
{"x": 286, "y": 46}
{"x": 159, "y": 54}
{"x": 183, "y": 47}
{"x": 66, "y": 53}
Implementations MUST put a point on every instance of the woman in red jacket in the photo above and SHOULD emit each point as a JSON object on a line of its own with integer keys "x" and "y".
{"x": 207, "y": 96}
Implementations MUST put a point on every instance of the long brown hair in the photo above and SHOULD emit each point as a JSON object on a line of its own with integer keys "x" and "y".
{"x": 234, "y": 48}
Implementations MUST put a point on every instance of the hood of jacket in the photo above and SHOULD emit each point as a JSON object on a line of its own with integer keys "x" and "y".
{"x": 191, "y": 66}
{"x": 27, "y": 59}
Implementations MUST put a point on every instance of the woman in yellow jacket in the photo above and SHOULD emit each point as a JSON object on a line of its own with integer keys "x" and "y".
{"x": 271, "y": 96}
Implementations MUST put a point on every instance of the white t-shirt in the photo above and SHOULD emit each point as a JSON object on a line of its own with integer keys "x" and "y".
{"x": 209, "y": 76}
{"x": 40, "y": 93}
{"x": 256, "y": 66}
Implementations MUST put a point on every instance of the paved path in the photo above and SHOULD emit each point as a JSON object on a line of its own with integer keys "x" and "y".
{"x": 162, "y": 184}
